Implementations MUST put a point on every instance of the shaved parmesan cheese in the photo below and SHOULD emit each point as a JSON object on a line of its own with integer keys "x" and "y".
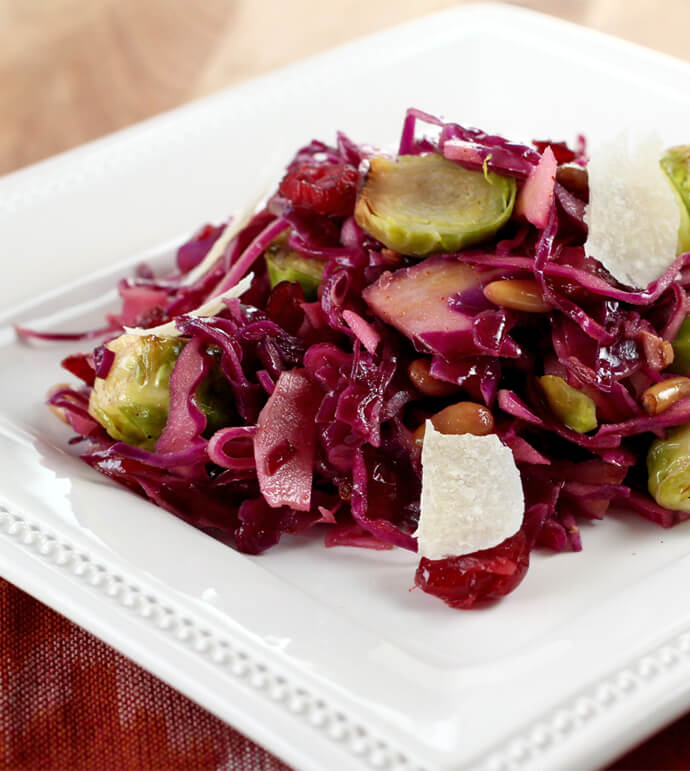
{"x": 211, "y": 308}
{"x": 472, "y": 495}
{"x": 236, "y": 224}
{"x": 633, "y": 214}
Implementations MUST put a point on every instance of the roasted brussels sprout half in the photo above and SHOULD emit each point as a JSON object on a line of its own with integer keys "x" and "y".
{"x": 668, "y": 469}
{"x": 286, "y": 265}
{"x": 573, "y": 408}
{"x": 676, "y": 163}
{"x": 420, "y": 204}
{"x": 214, "y": 397}
{"x": 132, "y": 401}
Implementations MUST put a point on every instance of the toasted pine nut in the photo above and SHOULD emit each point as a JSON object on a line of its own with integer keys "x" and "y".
{"x": 518, "y": 294}
{"x": 57, "y": 411}
{"x": 418, "y": 436}
{"x": 391, "y": 256}
{"x": 661, "y": 396}
{"x": 460, "y": 418}
{"x": 464, "y": 418}
{"x": 659, "y": 352}
{"x": 424, "y": 382}
{"x": 573, "y": 178}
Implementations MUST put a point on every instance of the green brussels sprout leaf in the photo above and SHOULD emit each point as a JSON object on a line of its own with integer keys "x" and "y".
{"x": 676, "y": 163}
{"x": 214, "y": 398}
{"x": 681, "y": 349}
{"x": 668, "y": 469}
{"x": 573, "y": 408}
{"x": 285, "y": 265}
{"x": 133, "y": 401}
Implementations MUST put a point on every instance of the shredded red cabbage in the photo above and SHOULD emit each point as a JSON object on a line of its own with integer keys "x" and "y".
{"x": 287, "y": 415}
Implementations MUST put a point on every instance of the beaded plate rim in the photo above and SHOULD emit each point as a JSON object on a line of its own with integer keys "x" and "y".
{"x": 355, "y": 743}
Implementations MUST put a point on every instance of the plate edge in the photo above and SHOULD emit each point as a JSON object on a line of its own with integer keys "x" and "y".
{"x": 536, "y": 744}
{"x": 508, "y": 11}
{"x": 343, "y": 730}
{"x": 531, "y": 746}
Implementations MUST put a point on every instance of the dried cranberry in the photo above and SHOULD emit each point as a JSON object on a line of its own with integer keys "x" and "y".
{"x": 462, "y": 582}
{"x": 153, "y": 317}
{"x": 284, "y": 306}
{"x": 324, "y": 188}
{"x": 80, "y": 365}
{"x": 561, "y": 151}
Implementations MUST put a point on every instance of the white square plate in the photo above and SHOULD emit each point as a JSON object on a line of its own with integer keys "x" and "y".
{"x": 324, "y": 656}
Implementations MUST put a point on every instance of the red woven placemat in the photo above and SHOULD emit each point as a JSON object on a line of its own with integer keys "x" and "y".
{"x": 68, "y": 701}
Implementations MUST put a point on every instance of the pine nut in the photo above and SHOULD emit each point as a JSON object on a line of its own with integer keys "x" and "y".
{"x": 573, "y": 178}
{"x": 661, "y": 396}
{"x": 658, "y": 352}
{"x": 58, "y": 411}
{"x": 390, "y": 256}
{"x": 425, "y": 383}
{"x": 517, "y": 294}
{"x": 459, "y": 418}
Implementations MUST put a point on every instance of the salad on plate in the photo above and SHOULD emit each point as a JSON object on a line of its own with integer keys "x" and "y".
{"x": 465, "y": 349}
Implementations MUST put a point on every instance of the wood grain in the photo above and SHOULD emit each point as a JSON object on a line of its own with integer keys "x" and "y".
{"x": 73, "y": 70}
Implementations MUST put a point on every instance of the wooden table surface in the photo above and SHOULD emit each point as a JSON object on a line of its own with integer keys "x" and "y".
{"x": 73, "y": 70}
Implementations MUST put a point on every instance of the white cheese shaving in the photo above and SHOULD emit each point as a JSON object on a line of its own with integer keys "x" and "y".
{"x": 210, "y": 308}
{"x": 633, "y": 215}
{"x": 237, "y": 223}
{"x": 472, "y": 495}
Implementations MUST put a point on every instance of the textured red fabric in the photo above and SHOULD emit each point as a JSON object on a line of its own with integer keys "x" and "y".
{"x": 669, "y": 749}
{"x": 68, "y": 701}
